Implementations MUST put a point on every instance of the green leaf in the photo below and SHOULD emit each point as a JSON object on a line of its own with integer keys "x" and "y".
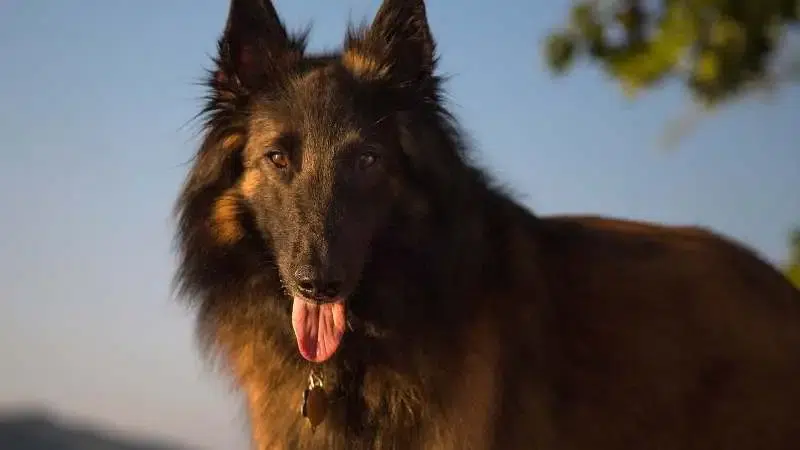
{"x": 559, "y": 52}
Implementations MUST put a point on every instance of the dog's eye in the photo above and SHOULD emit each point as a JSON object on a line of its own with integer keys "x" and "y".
{"x": 367, "y": 160}
{"x": 278, "y": 158}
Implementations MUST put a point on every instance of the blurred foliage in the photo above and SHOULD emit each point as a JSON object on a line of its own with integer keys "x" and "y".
{"x": 793, "y": 265}
{"x": 718, "y": 47}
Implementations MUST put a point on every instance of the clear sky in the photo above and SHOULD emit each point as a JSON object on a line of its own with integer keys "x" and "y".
{"x": 95, "y": 97}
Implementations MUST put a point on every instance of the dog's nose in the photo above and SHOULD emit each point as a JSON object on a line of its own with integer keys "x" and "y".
{"x": 316, "y": 284}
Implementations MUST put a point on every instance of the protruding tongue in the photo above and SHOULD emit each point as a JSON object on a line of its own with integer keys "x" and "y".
{"x": 318, "y": 328}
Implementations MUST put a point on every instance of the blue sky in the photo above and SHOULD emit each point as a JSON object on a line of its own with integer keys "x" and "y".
{"x": 96, "y": 99}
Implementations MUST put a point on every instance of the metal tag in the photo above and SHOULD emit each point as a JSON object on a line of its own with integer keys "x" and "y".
{"x": 315, "y": 402}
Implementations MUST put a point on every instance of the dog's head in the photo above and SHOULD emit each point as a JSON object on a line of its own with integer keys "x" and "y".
{"x": 316, "y": 154}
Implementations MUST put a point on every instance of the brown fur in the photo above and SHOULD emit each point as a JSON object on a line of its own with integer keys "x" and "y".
{"x": 363, "y": 66}
{"x": 475, "y": 324}
{"x": 225, "y": 221}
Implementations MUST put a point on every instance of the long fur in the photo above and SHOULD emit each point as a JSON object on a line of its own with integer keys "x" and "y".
{"x": 477, "y": 324}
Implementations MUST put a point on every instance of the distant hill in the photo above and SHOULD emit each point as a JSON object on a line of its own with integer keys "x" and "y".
{"x": 42, "y": 431}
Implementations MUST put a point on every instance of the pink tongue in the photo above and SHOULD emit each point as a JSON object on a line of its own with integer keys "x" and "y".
{"x": 318, "y": 328}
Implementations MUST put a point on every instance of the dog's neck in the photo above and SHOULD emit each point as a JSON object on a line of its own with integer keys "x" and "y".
{"x": 395, "y": 325}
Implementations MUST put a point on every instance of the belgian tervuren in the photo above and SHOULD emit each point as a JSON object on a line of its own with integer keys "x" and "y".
{"x": 368, "y": 287}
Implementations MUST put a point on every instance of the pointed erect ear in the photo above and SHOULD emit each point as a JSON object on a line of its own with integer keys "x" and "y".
{"x": 398, "y": 43}
{"x": 255, "y": 45}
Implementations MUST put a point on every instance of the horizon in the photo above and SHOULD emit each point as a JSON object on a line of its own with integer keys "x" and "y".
{"x": 99, "y": 99}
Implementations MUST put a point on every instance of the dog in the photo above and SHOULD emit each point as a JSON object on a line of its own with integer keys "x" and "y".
{"x": 366, "y": 286}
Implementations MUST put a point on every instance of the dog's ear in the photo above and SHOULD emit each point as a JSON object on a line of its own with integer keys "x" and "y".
{"x": 397, "y": 44}
{"x": 255, "y": 47}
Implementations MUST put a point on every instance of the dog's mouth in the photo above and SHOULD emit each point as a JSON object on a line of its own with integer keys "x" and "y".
{"x": 318, "y": 326}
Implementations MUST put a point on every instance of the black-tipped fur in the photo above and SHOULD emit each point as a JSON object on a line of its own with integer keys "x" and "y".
{"x": 473, "y": 323}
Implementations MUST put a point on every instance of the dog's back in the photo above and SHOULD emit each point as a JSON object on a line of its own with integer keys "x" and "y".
{"x": 655, "y": 337}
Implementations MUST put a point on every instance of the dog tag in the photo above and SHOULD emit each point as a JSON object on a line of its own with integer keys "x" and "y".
{"x": 315, "y": 405}
{"x": 315, "y": 402}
